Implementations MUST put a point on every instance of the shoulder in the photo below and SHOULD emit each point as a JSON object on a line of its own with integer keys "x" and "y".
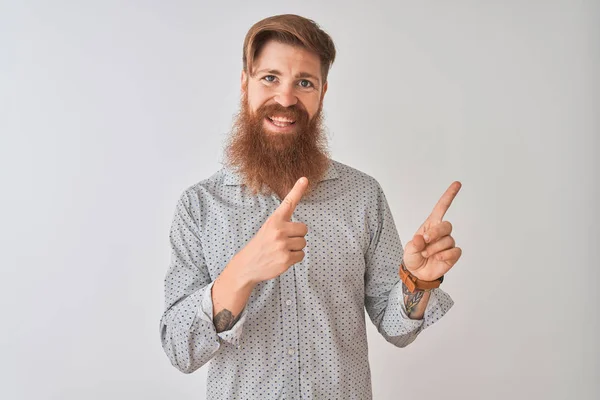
{"x": 196, "y": 194}
{"x": 355, "y": 178}
{"x": 212, "y": 183}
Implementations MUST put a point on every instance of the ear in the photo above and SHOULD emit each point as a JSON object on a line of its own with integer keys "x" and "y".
{"x": 244, "y": 81}
{"x": 324, "y": 91}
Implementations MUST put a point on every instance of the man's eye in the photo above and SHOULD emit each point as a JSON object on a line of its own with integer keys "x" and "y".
{"x": 269, "y": 78}
{"x": 306, "y": 84}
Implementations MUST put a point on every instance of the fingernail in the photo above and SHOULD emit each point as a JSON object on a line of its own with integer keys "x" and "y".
{"x": 426, "y": 237}
{"x": 424, "y": 254}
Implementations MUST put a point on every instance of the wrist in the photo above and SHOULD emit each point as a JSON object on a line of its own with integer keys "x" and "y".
{"x": 238, "y": 275}
{"x": 414, "y": 284}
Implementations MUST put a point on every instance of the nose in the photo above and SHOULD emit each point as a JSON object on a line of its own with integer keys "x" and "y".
{"x": 286, "y": 97}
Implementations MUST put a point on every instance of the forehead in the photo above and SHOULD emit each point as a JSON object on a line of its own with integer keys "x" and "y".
{"x": 287, "y": 58}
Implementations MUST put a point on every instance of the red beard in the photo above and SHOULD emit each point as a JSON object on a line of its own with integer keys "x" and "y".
{"x": 272, "y": 162}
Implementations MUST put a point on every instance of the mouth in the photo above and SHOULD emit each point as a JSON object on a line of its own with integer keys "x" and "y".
{"x": 280, "y": 124}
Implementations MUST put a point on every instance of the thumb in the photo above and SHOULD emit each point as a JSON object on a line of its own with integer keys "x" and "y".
{"x": 415, "y": 246}
{"x": 412, "y": 252}
{"x": 288, "y": 205}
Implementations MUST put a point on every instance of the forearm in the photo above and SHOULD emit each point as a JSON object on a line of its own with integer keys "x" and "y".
{"x": 415, "y": 303}
{"x": 230, "y": 293}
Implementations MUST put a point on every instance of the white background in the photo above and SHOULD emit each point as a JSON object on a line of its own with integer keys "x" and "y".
{"x": 110, "y": 109}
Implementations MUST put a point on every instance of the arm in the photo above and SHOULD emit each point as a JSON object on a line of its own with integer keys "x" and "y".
{"x": 398, "y": 317}
{"x": 188, "y": 334}
{"x": 276, "y": 247}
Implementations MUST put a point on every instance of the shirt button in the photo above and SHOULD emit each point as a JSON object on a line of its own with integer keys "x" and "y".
{"x": 291, "y": 352}
{"x": 288, "y": 302}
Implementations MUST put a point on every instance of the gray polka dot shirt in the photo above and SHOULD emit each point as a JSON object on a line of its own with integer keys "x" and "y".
{"x": 302, "y": 335}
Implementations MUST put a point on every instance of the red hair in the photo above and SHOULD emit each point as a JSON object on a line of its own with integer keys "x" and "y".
{"x": 293, "y": 30}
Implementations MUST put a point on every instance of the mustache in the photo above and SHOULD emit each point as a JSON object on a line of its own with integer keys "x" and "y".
{"x": 295, "y": 112}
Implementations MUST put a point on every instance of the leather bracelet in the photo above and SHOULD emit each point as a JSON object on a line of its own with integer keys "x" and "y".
{"x": 414, "y": 284}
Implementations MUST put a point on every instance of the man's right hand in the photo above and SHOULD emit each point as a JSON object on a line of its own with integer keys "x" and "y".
{"x": 276, "y": 247}
{"x": 279, "y": 242}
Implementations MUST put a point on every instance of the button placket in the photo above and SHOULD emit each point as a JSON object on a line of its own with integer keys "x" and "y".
{"x": 287, "y": 287}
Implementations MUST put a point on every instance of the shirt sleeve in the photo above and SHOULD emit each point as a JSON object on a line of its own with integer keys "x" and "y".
{"x": 384, "y": 300}
{"x": 188, "y": 335}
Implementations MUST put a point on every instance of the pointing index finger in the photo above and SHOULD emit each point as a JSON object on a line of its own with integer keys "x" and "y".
{"x": 289, "y": 203}
{"x": 445, "y": 201}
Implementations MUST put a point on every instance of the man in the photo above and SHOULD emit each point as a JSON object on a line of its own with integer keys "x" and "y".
{"x": 276, "y": 256}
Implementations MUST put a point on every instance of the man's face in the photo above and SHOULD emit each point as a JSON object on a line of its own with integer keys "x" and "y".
{"x": 278, "y": 136}
{"x": 286, "y": 83}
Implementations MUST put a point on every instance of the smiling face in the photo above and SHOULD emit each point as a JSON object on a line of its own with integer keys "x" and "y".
{"x": 286, "y": 85}
{"x": 278, "y": 136}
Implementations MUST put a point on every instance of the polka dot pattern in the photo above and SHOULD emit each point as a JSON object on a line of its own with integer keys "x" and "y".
{"x": 302, "y": 335}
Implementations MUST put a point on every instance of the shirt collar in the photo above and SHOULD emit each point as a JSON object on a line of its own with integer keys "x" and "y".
{"x": 234, "y": 178}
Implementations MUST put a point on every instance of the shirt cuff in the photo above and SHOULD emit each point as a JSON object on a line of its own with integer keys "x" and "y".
{"x": 232, "y": 336}
{"x": 408, "y": 325}
{"x": 439, "y": 304}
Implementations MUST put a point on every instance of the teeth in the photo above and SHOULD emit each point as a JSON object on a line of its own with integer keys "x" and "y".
{"x": 281, "y": 124}
{"x": 281, "y": 119}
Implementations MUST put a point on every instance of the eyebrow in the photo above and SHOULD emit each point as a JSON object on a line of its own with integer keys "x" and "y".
{"x": 298, "y": 75}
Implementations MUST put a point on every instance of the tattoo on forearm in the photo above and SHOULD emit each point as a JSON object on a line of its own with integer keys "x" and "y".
{"x": 224, "y": 320}
{"x": 411, "y": 300}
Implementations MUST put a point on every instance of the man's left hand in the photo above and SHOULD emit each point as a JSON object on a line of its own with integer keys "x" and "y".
{"x": 432, "y": 252}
